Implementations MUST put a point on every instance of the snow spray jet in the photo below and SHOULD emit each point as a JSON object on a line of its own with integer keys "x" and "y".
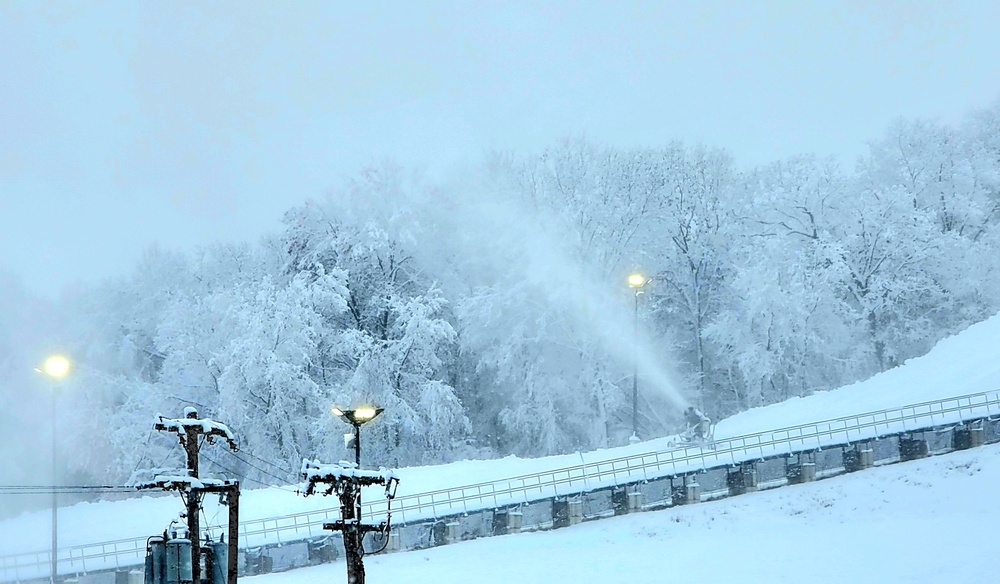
{"x": 609, "y": 319}
{"x": 497, "y": 233}
{"x": 483, "y": 232}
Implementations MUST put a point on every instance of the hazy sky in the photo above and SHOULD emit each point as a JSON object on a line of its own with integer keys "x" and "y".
{"x": 123, "y": 124}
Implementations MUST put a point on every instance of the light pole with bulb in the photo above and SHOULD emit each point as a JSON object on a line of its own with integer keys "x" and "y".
{"x": 357, "y": 418}
{"x": 56, "y": 368}
{"x": 350, "y": 498}
{"x": 636, "y": 282}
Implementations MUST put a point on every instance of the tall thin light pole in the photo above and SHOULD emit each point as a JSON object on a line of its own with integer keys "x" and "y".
{"x": 635, "y": 281}
{"x": 635, "y": 368}
{"x": 55, "y": 496}
{"x": 55, "y": 367}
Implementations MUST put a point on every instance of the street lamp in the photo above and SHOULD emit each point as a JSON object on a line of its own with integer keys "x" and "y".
{"x": 55, "y": 367}
{"x": 636, "y": 282}
{"x": 357, "y": 418}
{"x": 350, "y": 501}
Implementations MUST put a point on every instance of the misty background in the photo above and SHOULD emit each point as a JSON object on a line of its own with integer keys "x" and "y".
{"x": 268, "y": 211}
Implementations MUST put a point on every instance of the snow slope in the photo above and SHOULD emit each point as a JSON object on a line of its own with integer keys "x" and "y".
{"x": 928, "y": 521}
{"x": 968, "y": 362}
{"x": 962, "y": 364}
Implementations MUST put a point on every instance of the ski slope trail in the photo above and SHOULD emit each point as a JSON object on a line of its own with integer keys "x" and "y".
{"x": 927, "y": 521}
{"x": 966, "y": 363}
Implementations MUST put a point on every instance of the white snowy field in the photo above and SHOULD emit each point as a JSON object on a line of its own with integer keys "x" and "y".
{"x": 929, "y": 521}
{"x": 965, "y": 363}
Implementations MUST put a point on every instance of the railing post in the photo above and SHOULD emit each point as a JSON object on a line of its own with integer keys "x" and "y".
{"x": 967, "y": 436}
{"x": 858, "y": 457}
{"x": 743, "y": 478}
{"x": 803, "y": 470}
{"x": 911, "y": 448}
{"x": 687, "y": 493}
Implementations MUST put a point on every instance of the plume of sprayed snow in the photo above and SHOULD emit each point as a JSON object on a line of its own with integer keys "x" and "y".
{"x": 484, "y": 230}
{"x": 543, "y": 248}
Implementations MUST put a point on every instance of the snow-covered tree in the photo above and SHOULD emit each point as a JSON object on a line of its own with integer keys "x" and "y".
{"x": 488, "y": 313}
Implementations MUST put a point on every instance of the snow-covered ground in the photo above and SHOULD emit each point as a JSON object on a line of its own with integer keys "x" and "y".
{"x": 928, "y": 521}
{"x": 959, "y": 365}
{"x": 968, "y": 362}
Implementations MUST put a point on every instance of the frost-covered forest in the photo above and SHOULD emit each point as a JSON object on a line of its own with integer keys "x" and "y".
{"x": 489, "y": 313}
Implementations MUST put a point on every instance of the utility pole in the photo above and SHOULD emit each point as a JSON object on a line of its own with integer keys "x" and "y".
{"x": 346, "y": 481}
{"x": 188, "y": 430}
{"x": 354, "y": 532}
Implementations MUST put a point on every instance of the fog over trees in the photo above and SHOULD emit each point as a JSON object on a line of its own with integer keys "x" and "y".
{"x": 489, "y": 313}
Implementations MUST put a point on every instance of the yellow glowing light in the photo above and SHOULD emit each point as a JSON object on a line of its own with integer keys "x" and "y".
{"x": 336, "y": 411}
{"x": 636, "y": 280}
{"x": 365, "y": 413}
{"x": 56, "y": 366}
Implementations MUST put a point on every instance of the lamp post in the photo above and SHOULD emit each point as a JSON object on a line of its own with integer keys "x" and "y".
{"x": 55, "y": 367}
{"x": 636, "y": 282}
{"x": 350, "y": 497}
{"x": 357, "y": 418}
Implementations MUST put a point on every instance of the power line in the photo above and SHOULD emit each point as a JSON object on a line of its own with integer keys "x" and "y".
{"x": 169, "y": 454}
{"x": 50, "y": 489}
{"x": 65, "y": 487}
{"x": 220, "y": 465}
{"x": 267, "y": 462}
{"x": 233, "y": 472}
{"x": 146, "y": 447}
{"x": 257, "y": 468}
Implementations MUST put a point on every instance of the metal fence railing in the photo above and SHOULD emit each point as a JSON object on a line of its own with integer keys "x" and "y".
{"x": 565, "y": 481}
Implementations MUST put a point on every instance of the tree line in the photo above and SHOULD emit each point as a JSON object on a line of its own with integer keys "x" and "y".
{"x": 489, "y": 314}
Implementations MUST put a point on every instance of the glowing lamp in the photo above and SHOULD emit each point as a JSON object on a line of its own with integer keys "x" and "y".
{"x": 358, "y": 416}
{"x": 365, "y": 414}
{"x": 56, "y": 366}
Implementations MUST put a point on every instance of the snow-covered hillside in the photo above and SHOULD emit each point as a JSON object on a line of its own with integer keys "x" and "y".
{"x": 968, "y": 362}
{"x": 959, "y": 365}
{"x": 922, "y": 522}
